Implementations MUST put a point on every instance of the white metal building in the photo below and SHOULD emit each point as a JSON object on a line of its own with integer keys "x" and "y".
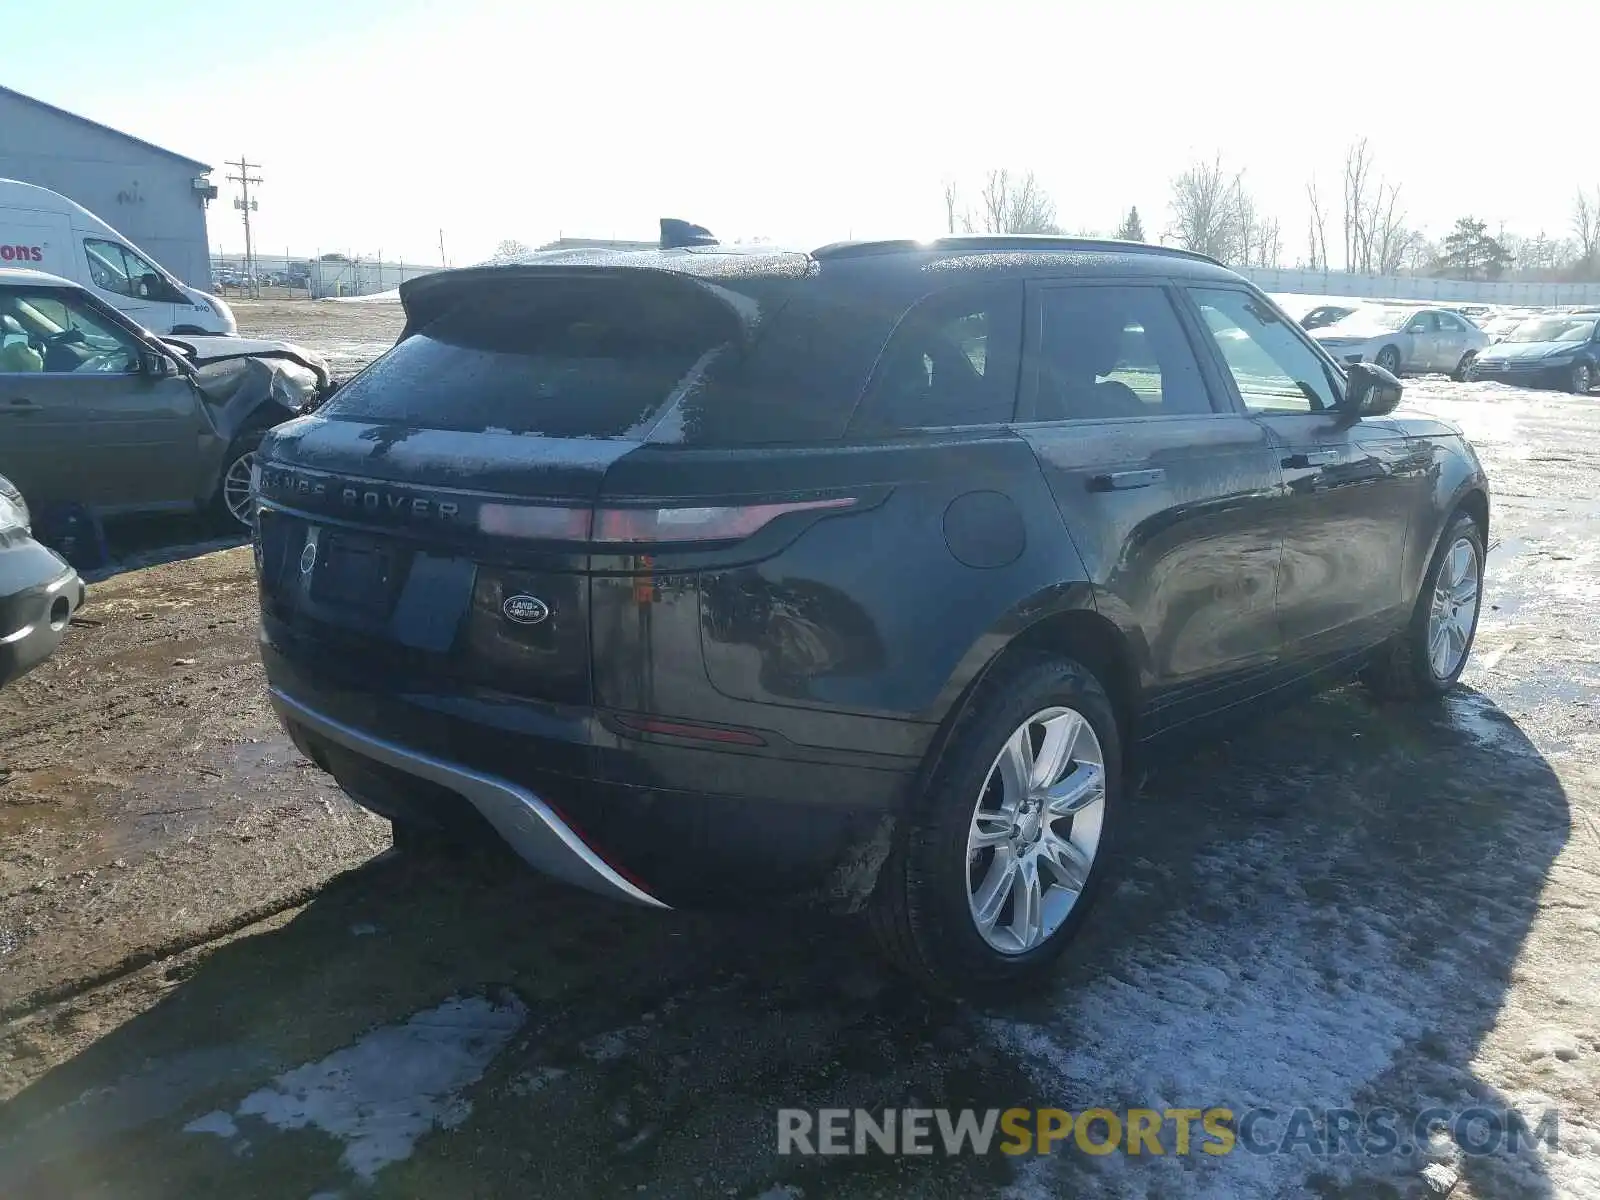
{"x": 154, "y": 197}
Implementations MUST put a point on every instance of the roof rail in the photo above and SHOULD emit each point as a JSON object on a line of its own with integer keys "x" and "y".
{"x": 988, "y": 243}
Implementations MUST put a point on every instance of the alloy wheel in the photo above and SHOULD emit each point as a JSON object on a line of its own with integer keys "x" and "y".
{"x": 1389, "y": 359}
{"x": 1035, "y": 830}
{"x": 236, "y": 487}
{"x": 1455, "y": 609}
{"x": 1582, "y": 379}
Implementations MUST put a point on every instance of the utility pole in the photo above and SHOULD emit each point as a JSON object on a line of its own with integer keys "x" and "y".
{"x": 246, "y": 205}
{"x": 442, "y": 261}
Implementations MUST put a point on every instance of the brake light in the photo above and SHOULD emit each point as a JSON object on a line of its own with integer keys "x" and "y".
{"x": 702, "y": 524}
{"x": 634, "y": 526}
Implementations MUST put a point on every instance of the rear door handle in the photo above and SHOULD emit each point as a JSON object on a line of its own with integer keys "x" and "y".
{"x": 22, "y": 406}
{"x": 1312, "y": 458}
{"x": 1121, "y": 481}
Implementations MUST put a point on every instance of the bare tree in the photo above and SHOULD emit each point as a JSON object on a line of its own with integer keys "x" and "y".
{"x": 1017, "y": 205}
{"x": 950, "y": 199}
{"x": 1244, "y": 217}
{"x": 509, "y": 249}
{"x": 1318, "y": 233}
{"x": 1586, "y": 228}
{"x": 1269, "y": 243}
{"x": 1205, "y": 211}
{"x": 1357, "y": 180}
{"x": 1387, "y": 238}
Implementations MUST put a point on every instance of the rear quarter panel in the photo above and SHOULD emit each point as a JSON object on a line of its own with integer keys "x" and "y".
{"x": 864, "y": 620}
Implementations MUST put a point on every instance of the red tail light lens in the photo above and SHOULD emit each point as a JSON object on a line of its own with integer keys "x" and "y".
{"x": 705, "y": 524}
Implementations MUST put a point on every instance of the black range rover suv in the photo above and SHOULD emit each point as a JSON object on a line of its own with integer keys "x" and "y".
{"x": 859, "y": 574}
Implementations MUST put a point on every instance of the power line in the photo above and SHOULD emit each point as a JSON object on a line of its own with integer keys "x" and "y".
{"x": 246, "y": 205}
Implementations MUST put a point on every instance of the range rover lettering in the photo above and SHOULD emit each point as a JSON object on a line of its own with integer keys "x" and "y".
{"x": 863, "y": 574}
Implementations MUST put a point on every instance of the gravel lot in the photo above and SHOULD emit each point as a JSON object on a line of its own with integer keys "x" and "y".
{"x": 213, "y": 978}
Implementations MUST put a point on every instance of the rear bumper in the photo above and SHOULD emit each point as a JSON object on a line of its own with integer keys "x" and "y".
{"x": 528, "y": 825}
{"x": 650, "y": 819}
{"x": 39, "y": 592}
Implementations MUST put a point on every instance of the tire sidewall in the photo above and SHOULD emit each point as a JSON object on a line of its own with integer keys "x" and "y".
{"x": 936, "y": 849}
{"x": 1392, "y": 355}
{"x": 1460, "y": 526}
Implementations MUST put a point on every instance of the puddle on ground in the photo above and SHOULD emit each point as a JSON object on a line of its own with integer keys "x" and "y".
{"x": 123, "y": 818}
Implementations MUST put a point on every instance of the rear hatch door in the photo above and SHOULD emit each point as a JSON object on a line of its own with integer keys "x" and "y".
{"x": 429, "y": 525}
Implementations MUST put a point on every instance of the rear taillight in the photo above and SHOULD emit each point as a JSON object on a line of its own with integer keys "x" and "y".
{"x": 644, "y": 526}
{"x": 700, "y": 524}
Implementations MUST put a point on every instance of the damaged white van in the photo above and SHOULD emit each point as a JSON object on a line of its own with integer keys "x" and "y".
{"x": 45, "y": 231}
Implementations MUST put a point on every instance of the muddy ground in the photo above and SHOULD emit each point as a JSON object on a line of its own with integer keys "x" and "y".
{"x": 215, "y": 978}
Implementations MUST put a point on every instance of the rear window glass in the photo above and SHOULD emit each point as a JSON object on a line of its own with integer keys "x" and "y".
{"x": 571, "y": 359}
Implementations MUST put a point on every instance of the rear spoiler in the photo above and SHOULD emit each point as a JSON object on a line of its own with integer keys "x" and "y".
{"x": 426, "y": 296}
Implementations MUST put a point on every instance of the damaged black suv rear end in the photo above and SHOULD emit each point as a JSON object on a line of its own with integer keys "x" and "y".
{"x": 511, "y": 575}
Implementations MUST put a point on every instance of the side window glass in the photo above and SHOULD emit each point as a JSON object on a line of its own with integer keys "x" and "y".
{"x": 1275, "y": 371}
{"x": 1450, "y": 324}
{"x": 950, "y": 362}
{"x": 1110, "y": 352}
{"x": 1423, "y": 323}
{"x": 147, "y": 282}
{"x": 45, "y": 333}
{"x": 107, "y": 269}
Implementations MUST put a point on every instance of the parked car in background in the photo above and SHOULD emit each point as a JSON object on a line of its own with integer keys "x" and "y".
{"x": 1497, "y": 326}
{"x": 701, "y": 572}
{"x": 1325, "y": 314}
{"x": 97, "y": 411}
{"x": 1405, "y": 340}
{"x": 39, "y": 591}
{"x": 1551, "y": 351}
{"x": 45, "y": 231}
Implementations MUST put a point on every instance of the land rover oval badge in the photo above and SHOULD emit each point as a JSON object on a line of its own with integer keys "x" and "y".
{"x": 525, "y": 610}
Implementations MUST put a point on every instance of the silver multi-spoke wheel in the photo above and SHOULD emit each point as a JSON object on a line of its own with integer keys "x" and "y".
{"x": 1035, "y": 830}
{"x": 236, "y": 487}
{"x": 1455, "y": 609}
{"x": 1582, "y": 378}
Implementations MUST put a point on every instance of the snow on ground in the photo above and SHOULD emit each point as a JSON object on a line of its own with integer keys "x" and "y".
{"x": 1299, "y": 971}
{"x": 394, "y": 1085}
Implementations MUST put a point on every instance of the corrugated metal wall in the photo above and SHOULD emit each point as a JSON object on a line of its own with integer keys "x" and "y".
{"x": 146, "y": 196}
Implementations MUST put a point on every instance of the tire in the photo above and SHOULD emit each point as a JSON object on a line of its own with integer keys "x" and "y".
{"x": 1581, "y": 378}
{"x": 1405, "y": 669}
{"x": 924, "y": 911}
{"x": 241, "y": 454}
{"x": 1389, "y": 359}
{"x": 1463, "y": 371}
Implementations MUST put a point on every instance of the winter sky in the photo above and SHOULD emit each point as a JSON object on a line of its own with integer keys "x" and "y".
{"x": 380, "y": 121}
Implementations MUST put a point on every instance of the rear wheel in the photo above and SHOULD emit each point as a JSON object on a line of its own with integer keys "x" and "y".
{"x": 1425, "y": 660}
{"x": 1463, "y": 371}
{"x": 1389, "y": 359}
{"x": 1581, "y": 378}
{"x": 996, "y": 867}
